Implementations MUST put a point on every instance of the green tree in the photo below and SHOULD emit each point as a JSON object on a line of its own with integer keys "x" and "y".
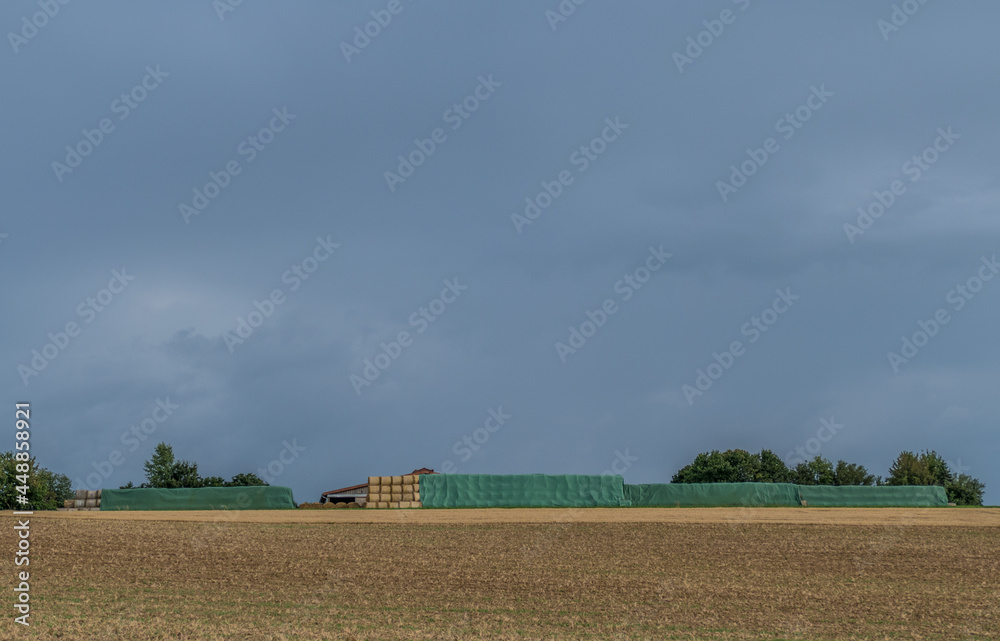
{"x": 162, "y": 471}
{"x": 937, "y": 466}
{"x": 160, "y": 468}
{"x": 708, "y": 467}
{"x": 852, "y": 474}
{"x": 818, "y": 471}
{"x": 185, "y": 474}
{"x": 734, "y": 466}
{"x": 213, "y": 481}
{"x": 47, "y": 490}
{"x": 245, "y": 480}
{"x": 965, "y": 490}
{"x": 773, "y": 469}
{"x": 744, "y": 465}
{"x": 909, "y": 469}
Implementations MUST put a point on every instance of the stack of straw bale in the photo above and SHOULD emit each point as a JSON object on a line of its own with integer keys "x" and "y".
{"x": 394, "y": 491}
{"x": 85, "y": 500}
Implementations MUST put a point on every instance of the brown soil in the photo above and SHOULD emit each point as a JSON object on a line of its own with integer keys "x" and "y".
{"x": 514, "y": 574}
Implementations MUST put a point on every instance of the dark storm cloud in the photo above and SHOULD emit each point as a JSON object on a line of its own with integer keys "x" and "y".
{"x": 202, "y": 134}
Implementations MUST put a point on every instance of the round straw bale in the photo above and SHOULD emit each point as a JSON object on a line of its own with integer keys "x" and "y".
{"x": 81, "y": 494}
{"x": 397, "y": 480}
{"x": 353, "y": 505}
{"x": 69, "y": 503}
{"x": 407, "y": 487}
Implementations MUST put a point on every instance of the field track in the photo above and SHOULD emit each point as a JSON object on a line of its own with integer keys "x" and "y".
{"x": 981, "y": 517}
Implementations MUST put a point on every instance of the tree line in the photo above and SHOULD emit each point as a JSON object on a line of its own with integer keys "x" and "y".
{"x": 162, "y": 471}
{"x": 740, "y": 466}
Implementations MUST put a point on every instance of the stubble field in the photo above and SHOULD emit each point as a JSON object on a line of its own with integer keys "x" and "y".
{"x": 800, "y": 573}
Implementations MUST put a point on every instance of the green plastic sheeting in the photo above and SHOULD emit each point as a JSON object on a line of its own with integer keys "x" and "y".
{"x": 521, "y": 490}
{"x": 872, "y": 496}
{"x": 202, "y": 498}
{"x": 709, "y": 494}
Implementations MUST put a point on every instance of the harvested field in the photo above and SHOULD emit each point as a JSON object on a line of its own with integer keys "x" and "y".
{"x": 516, "y": 574}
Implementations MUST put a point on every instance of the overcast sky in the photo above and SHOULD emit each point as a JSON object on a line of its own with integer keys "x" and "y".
{"x": 238, "y": 210}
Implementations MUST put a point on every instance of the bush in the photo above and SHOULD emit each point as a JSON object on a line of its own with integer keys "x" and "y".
{"x": 46, "y": 489}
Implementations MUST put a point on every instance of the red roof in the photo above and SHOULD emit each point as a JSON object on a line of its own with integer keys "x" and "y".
{"x": 423, "y": 470}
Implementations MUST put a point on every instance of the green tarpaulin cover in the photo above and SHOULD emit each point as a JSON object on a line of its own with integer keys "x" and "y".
{"x": 521, "y": 490}
{"x": 881, "y": 495}
{"x": 708, "y": 494}
{"x": 202, "y": 498}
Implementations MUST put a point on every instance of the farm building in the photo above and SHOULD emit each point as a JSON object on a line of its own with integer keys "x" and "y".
{"x": 358, "y": 493}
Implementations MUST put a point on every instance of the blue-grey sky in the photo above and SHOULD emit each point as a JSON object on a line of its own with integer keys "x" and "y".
{"x": 220, "y": 220}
